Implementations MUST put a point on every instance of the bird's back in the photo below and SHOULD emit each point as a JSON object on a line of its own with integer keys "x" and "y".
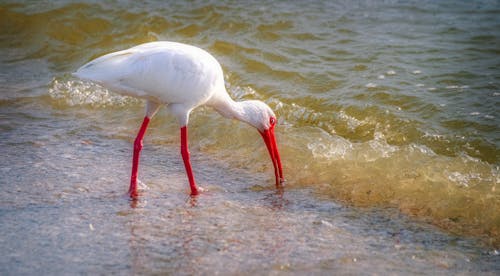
{"x": 166, "y": 72}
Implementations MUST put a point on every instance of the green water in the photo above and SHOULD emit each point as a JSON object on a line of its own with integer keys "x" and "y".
{"x": 387, "y": 111}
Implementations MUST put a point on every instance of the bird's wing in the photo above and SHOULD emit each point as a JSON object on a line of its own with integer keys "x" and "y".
{"x": 134, "y": 71}
{"x": 165, "y": 72}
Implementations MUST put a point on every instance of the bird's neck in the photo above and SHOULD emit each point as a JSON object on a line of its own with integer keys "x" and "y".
{"x": 230, "y": 109}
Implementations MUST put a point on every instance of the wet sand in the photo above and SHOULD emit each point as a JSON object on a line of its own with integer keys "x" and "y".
{"x": 387, "y": 128}
{"x": 70, "y": 216}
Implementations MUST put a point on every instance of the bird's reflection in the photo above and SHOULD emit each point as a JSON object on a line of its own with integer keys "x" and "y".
{"x": 183, "y": 230}
{"x": 134, "y": 202}
{"x": 277, "y": 199}
{"x": 139, "y": 222}
{"x": 137, "y": 203}
{"x": 192, "y": 200}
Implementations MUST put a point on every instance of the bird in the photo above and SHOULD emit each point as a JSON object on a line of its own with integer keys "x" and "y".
{"x": 180, "y": 77}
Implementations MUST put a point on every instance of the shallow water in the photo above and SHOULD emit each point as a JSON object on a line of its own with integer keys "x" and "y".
{"x": 388, "y": 130}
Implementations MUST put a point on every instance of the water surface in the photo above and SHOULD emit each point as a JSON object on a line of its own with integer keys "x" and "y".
{"x": 388, "y": 131}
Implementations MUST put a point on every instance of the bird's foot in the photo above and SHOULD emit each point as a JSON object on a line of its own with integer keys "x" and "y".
{"x": 134, "y": 189}
{"x": 142, "y": 186}
{"x": 280, "y": 184}
{"x": 198, "y": 190}
{"x": 134, "y": 195}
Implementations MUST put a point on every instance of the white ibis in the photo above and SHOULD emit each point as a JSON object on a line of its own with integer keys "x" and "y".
{"x": 181, "y": 77}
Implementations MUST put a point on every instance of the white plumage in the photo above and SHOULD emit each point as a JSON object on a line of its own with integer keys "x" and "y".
{"x": 181, "y": 77}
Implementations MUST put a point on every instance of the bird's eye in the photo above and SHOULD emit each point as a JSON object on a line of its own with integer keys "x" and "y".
{"x": 272, "y": 120}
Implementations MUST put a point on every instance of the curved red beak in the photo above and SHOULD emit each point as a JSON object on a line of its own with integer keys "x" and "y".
{"x": 272, "y": 147}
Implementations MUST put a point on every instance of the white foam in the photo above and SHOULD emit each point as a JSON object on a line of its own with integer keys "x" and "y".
{"x": 380, "y": 147}
{"x": 78, "y": 92}
{"x": 463, "y": 179}
{"x": 352, "y": 123}
{"x": 422, "y": 149}
{"x": 332, "y": 149}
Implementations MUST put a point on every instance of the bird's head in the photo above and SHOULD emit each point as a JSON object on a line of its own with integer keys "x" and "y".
{"x": 262, "y": 117}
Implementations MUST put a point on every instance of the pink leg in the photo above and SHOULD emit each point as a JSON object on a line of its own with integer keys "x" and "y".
{"x": 135, "y": 161}
{"x": 187, "y": 163}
